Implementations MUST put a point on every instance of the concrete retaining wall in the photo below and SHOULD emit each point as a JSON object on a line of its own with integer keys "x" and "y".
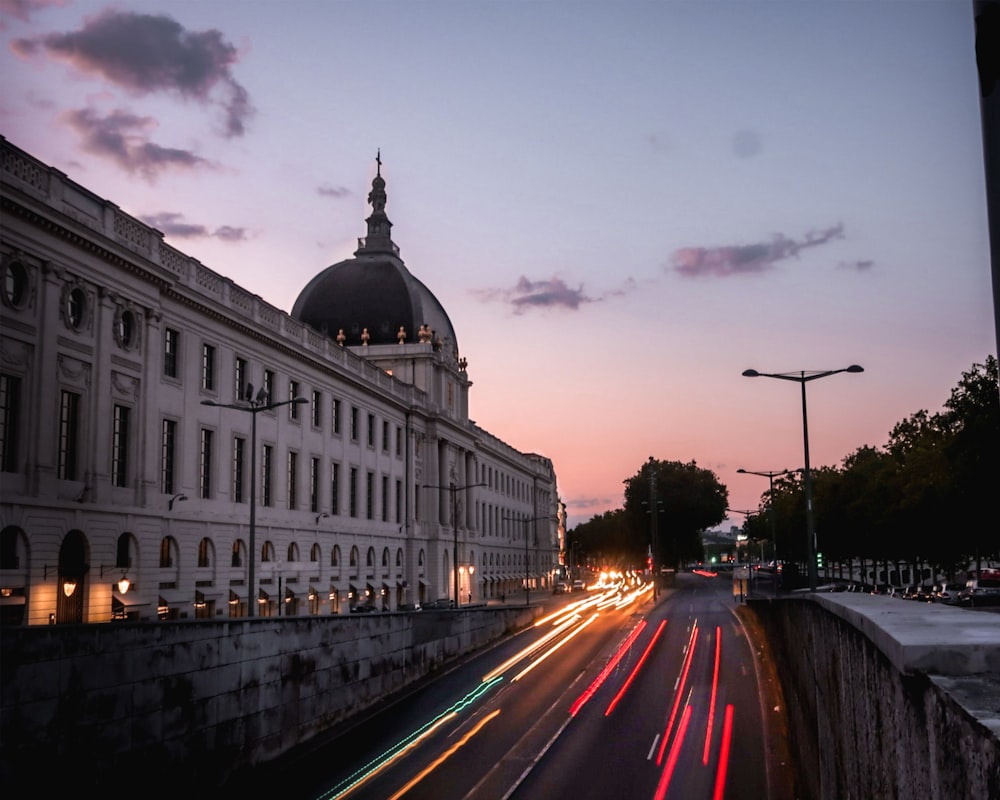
{"x": 887, "y": 698}
{"x": 164, "y": 707}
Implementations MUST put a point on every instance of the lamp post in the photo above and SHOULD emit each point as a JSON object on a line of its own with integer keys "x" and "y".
{"x": 454, "y": 527}
{"x": 770, "y": 475}
{"x": 527, "y": 577}
{"x": 802, "y": 378}
{"x": 253, "y": 405}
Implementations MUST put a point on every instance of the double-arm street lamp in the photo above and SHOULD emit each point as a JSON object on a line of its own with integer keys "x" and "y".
{"x": 253, "y": 405}
{"x": 527, "y": 574}
{"x": 454, "y": 526}
{"x": 802, "y": 378}
{"x": 770, "y": 475}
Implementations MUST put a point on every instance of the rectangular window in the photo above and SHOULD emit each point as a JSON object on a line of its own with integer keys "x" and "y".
{"x": 239, "y": 458}
{"x": 10, "y": 421}
{"x": 119, "y": 446}
{"x": 385, "y": 436}
{"x": 267, "y": 453}
{"x": 353, "y": 488}
{"x": 314, "y": 484}
{"x": 399, "y": 441}
{"x": 354, "y": 424}
{"x": 370, "y": 495}
{"x": 399, "y": 502}
{"x": 336, "y": 416}
{"x": 293, "y": 468}
{"x": 240, "y": 375}
{"x": 293, "y": 392}
{"x": 385, "y": 498}
{"x": 268, "y": 386}
{"x": 171, "y": 352}
{"x": 371, "y": 430}
{"x": 69, "y": 435}
{"x": 334, "y": 488}
{"x": 205, "y": 464}
{"x": 168, "y": 455}
{"x": 207, "y": 367}
{"x": 317, "y": 409}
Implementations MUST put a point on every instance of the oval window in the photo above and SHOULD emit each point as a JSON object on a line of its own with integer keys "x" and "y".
{"x": 15, "y": 284}
{"x": 76, "y": 304}
{"x": 125, "y": 328}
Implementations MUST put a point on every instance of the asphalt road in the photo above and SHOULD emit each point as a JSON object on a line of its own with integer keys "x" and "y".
{"x": 614, "y": 696}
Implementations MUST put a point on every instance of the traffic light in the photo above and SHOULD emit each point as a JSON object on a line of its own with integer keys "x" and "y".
{"x": 819, "y": 560}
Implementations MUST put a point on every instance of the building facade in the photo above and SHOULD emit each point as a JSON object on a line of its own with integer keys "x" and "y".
{"x": 172, "y": 446}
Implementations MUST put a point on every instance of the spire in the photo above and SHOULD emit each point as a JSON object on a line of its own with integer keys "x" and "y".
{"x": 378, "y": 239}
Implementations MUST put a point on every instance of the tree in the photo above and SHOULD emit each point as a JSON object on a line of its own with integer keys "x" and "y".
{"x": 686, "y": 498}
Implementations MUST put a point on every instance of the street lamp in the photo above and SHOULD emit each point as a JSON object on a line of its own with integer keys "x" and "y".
{"x": 253, "y": 405}
{"x": 527, "y": 576}
{"x": 802, "y": 378}
{"x": 770, "y": 475}
{"x": 454, "y": 526}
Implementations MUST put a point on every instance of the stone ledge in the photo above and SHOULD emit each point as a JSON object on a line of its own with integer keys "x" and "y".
{"x": 922, "y": 637}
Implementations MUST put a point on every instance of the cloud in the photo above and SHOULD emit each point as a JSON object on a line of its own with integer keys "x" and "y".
{"x": 548, "y": 293}
{"x": 857, "y": 266}
{"x": 23, "y": 9}
{"x": 746, "y": 143}
{"x": 172, "y": 225}
{"x": 144, "y": 54}
{"x": 747, "y": 258}
{"x": 332, "y": 191}
{"x": 124, "y": 138}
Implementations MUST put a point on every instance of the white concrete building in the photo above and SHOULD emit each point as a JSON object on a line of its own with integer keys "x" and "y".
{"x": 135, "y": 381}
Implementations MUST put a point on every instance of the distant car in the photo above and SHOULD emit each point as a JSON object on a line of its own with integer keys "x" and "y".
{"x": 561, "y": 587}
{"x": 579, "y": 586}
{"x": 947, "y": 593}
{"x": 980, "y": 592}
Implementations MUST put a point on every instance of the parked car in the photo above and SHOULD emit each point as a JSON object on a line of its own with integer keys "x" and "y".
{"x": 579, "y": 586}
{"x": 947, "y": 593}
{"x": 561, "y": 587}
{"x": 980, "y": 592}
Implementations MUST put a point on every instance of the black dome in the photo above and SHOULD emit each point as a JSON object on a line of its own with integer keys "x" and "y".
{"x": 374, "y": 290}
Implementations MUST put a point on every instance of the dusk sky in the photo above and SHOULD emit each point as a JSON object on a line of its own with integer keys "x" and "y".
{"x": 621, "y": 205}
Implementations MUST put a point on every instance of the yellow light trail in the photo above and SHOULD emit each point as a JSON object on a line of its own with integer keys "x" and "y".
{"x": 527, "y": 651}
{"x": 552, "y": 649}
{"x": 444, "y": 756}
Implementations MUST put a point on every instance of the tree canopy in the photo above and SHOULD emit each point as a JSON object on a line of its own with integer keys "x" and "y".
{"x": 923, "y": 497}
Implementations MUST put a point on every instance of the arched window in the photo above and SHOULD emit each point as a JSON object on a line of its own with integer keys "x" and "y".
{"x": 293, "y": 553}
{"x": 237, "y": 553}
{"x": 385, "y": 557}
{"x": 168, "y": 552}
{"x": 354, "y": 556}
{"x": 420, "y": 558}
{"x": 399, "y": 557}
{"x": 123, "y": 556}
{"x": 205, "y": 553}
{"x": 335, "y": 556}
{"x": 267, "y": 551}
{"x": 370, "y": 557}
{"x": 314, "y": 555}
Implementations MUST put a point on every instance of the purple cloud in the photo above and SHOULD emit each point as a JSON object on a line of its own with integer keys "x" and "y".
{"x": 23, "y": 9}
{"x": 549, "y": 293}
{"x": 747, "y": 258}
{"x": 124, "y": 137}
{"x": 172, "y": 225}
{"x": 143, "y": 53}
{"x": 332, "y": 191}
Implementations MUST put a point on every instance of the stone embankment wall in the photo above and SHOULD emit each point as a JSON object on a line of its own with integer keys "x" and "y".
{"x": 181, "y": 707}
{"x": 888, "y": 698}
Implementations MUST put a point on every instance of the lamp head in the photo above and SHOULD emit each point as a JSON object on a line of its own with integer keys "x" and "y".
{"x": 750, "y": 373}
{"x": 854, "y": 368}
